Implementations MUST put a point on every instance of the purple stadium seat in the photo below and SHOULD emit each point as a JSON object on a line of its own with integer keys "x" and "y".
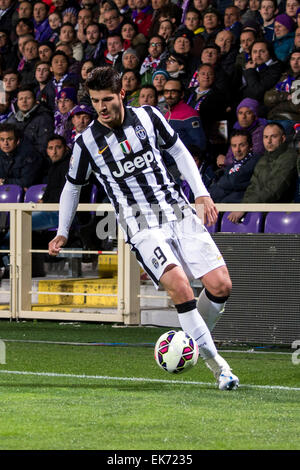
{"x": 11, "y": 193}
{"x": 35, "y": 193}
{"x": 282, "y": 222}
{"x": 252, "y": 222}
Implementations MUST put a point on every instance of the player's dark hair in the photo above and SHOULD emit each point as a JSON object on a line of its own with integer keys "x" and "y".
{"x": 244, "y": 133}
{"x": 104, "y": 78}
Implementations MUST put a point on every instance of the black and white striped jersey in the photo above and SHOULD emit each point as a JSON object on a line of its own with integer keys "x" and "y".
{"x": 128, "y": 163}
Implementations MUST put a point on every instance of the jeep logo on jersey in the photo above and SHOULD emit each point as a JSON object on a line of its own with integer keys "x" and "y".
{"x": 140, "y": 132}
{"x": 130, "y": 167}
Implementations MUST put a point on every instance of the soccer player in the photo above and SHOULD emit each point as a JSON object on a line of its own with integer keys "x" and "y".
{"x": 123, "y": 149}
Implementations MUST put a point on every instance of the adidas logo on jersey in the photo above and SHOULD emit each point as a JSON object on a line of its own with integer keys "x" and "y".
{"x": 129, "y": 167}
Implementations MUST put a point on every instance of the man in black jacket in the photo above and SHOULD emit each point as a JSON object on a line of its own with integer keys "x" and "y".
{"x": 33, "y": 119}
{"x": 19, "y": 163}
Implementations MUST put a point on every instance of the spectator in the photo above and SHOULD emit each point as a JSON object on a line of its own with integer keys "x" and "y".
{"x": 113, "y": 53}
{"x": 133, "y": 39}
{"x": 19, "y": 163}
{"x": 206, "y": 99}
{"x": 131, "y": 82}
{"x": 86, "y": 67}
{"x": 67, "y": 35}
{"x": 142, "y": 16}
{"x": 60, "y": 70}
{"x": 30, "y": 55}
{"x": 279, "y": 100}
{"x": 182, "y": 117}
{"x": 261, "y": 72}
{"x": 247, "y": 38}
{"x": 74, "y": 65}
{"x": 55, "y": 22}
{"x": 11, "y": 80}
{"x": 268, "y": 10}
{"x": 45, "y": 51}
{"x": 231, "y": 186}
{"x": 113, "y": 21}
{"x": 84, "y": 18}
{"x": 130, "y": 60}
{"x": 95, "y": 42}
{"x": 42, "y": 77}
{"x": 291, "y": 7}
{"x": 59, "y": 155}
{"x": 156, "y": 52}
{"x": 7, "y": 8}
{"x": 69, "y": 15}
{"x": 274, "y": 177}
{"x": 183, "y": 46}
{"x": 284, "y": 36}
{"x": 42, "y": 29}
{"x": 81, "y": 116}
{"x": 148, "y": 95}
{"x": 66, "y": 100}
{"x": 226, "y": 41}
{"x": 252, "y": 13}
{"x": 166, "y": 30}
{"x": 25, "y": 10}
{"x": 247, "y": 119}
{"x": 34, "y": 120}
{"x": 176, "y": 68}
{"x": 211, "y": 23}
{"x": 159, "y": 79}
{"x": 24, "y": 26}
{"x": 232, "y": 21}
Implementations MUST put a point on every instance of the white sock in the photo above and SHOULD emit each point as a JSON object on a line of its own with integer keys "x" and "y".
{"x": 209, "y": 310}
{"x": 216, "y": 364}
{"x": 192, "y": 323}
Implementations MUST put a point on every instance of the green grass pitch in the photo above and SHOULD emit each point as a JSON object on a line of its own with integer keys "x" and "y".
{"x": 70, "y": 397}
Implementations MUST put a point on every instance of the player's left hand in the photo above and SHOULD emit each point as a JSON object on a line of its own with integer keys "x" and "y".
{"x": 206, "y": 208}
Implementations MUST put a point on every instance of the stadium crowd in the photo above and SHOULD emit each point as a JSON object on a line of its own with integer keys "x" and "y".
{"x": 224, "y": 74}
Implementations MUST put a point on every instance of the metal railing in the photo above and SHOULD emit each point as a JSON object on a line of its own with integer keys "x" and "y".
{"x": 128, "y": 281}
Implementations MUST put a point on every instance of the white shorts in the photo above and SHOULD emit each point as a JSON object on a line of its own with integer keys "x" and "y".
{"x": 186, "y": 243}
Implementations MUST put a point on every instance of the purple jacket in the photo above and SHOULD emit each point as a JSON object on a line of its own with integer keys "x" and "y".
{"x": 42, "y": 31}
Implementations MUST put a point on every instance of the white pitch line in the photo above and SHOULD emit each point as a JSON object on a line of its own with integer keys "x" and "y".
{"x": 141, "y": 379}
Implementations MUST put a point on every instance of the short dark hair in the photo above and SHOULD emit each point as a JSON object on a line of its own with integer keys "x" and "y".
{"x": 58, "y": 52}
{"x": 14, "y": 72}
{"x": 149, "y": 86}
{"x": 275, "y": 123}
{"x": 104, "y": 78}
{"x": 6, "y": 127}
{"x": 177, "y": 80}
{"x": 268, "y": 44}
{"x": 242, "y": 132}
{"x": 57, "y": 137}
{"x": 26, "y": 88}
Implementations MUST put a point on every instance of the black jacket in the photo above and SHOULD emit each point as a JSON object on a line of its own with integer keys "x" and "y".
{"x": 56, "y": 179}
{"x": 23, "y": 167}
{"x": 37, "y": 126}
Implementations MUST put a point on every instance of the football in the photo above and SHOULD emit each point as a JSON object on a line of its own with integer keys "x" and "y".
{"x": 176, "y": 352}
